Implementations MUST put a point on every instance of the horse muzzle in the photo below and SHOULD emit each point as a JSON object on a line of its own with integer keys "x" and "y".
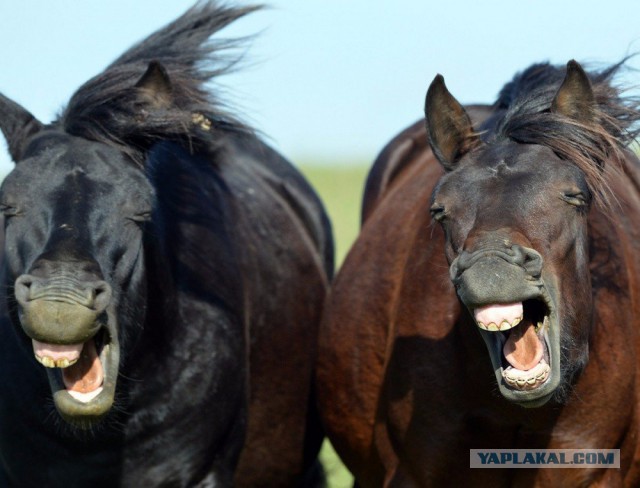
{"x": 68, "y": 323}
{"x": 515, "y": 311}
{"x": 61, "y": 310}
{"x": 496, "y": 275}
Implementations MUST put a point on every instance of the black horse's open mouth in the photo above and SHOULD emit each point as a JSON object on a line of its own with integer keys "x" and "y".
{"x": 522, "y": 340}
{"x": 82, "y": 376}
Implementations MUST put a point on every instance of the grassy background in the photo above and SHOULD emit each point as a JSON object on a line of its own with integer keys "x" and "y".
{"x": 340, "y": 188}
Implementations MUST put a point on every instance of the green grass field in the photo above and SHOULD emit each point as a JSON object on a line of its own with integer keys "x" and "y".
{"x": 340, "y": 188}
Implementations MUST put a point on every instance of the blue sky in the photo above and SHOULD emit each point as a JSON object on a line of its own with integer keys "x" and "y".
{"x": 327, "y": 81}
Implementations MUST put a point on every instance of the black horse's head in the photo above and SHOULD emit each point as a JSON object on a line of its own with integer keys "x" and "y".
{"x": 513, "y": 204}
{"x": 74, "y": 211}
{"x": 77, "y": 204}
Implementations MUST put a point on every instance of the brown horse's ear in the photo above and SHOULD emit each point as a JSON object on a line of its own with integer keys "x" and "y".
{"x": 449, "y": 127}
{"x": 574, "y": 98}
{"x": 17, "y": 125}
{"x": 155, "y": 86}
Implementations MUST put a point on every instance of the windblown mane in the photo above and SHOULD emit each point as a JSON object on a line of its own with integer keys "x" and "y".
{"x": 523, "y": 114}
{"x": 107, "y": 108}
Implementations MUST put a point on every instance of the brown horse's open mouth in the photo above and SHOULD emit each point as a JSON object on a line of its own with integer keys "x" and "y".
{"x": 524, "y": 352}
{"x": 518, "y": 339}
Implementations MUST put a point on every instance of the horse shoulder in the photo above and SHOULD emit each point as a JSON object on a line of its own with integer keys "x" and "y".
{"x": 615, "y": 275}
{"x": 286, "y": 271}
{"x": 360, "y": 324}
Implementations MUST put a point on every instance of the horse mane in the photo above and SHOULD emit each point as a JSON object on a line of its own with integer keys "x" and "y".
{"x": 108, "y": 108}
{"x": 184, "y": 130}
{"x": 523, "y": 114}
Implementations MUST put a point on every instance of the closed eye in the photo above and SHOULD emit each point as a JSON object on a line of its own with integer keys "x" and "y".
{"x": 9, "y": 210}
{"x": 438, "y": 212}
{"x": 141, "y": 217}
{"x": 575, "y": 198}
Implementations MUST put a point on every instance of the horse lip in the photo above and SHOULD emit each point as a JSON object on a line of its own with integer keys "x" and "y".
{"x": 469, "y": 259}
{"x": 538, "y": 396}
{"x": 84, "y": 414}
{"x": 60, "y": 322}
{"x": 36, "y": 324}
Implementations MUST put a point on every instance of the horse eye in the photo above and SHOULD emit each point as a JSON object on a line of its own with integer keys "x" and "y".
{"x": 141, "y": 217}
{"x": 575, "y": 198}
{"x": 8, "y": 210}
{"x": 438, "y": 212}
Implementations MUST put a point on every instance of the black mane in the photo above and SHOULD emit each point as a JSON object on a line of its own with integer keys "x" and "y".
{"x": 108, "y": 108}
{"x": 532, "y": 91}
{"x": 523, "y": 113}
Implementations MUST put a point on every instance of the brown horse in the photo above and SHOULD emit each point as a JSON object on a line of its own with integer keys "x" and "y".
{"x": 521, "y": 290}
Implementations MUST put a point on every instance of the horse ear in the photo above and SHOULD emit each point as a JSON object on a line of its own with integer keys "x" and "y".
{"x": 155, "y": 86}
{"x": 449, "y": 127}
{"x": 574, "y": 98}
{"x": 17, "y": 125}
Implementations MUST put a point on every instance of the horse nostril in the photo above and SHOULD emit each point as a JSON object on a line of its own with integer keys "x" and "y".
{"x": 532, "y": 263}
{"x": 22, "y": 289}
{"x": 101, "y": 292}
{"x": 95, "y": 295}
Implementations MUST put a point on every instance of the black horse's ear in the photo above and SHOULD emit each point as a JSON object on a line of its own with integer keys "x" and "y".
{"x": 449, "y": 127}
{"x": 17, "y": 125}
{"x": 155, "y": 86}
{"x": 574, "y": 98}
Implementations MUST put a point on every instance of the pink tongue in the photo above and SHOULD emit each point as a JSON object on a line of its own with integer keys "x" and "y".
{"x": 523, "y": 348}
{"x": 57, "y": 351}
{"x": 87, "y": 374}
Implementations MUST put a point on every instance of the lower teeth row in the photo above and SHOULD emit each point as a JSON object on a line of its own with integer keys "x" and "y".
{"x": 524, "y": 380}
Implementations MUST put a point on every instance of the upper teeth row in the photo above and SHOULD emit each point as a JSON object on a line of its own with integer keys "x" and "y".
{"x": 52, "y": 363}
{"x": 504, "y": 325}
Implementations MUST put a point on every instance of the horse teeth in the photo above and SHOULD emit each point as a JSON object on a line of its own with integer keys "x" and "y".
{"x": 65, "y": 363}
{"x": 527, "y": 380}
{"x": 504, "y": 325}
{"x": 46, "y": 361}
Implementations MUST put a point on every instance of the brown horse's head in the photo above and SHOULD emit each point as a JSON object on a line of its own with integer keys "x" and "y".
{"x": 513, "y": 204}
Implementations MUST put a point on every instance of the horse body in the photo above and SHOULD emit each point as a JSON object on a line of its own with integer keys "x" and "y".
{"x": 403, "y": 337}
{"x": 172, "y": 268}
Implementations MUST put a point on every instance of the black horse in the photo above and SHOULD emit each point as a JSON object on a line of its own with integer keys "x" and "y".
{"x": 167, "y": 270}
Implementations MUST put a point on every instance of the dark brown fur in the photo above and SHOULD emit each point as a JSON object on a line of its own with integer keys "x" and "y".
{"x": 404, "y": 380}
